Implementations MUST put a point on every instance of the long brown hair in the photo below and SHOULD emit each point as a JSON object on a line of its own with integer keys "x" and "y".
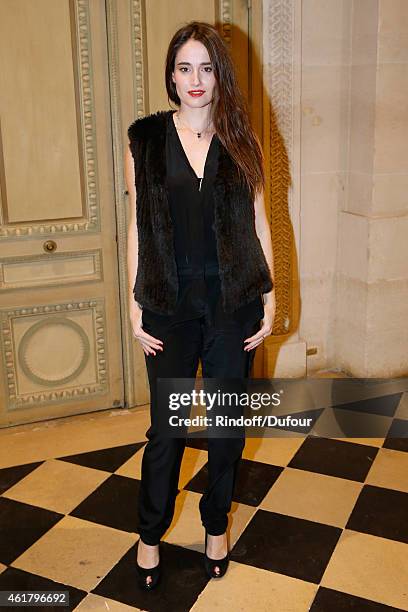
{"x": 229, "y": 108}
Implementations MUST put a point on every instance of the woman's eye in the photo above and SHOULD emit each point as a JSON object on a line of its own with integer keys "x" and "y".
{"x": 208, "y": 68}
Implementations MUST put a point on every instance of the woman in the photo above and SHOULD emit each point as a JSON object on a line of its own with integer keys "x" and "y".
{"x": 199, "y": 260}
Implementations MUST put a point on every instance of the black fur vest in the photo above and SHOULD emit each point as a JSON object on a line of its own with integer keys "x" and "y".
{"x": 243, "y": 270}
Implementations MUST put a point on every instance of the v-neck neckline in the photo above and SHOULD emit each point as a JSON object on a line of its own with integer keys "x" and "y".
{"x": 198, "y": 178}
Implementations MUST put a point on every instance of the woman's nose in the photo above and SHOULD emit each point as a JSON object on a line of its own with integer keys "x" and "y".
{"x": 195, "y": 78}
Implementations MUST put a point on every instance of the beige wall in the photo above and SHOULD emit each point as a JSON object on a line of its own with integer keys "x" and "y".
{"x": 326, "y": 42}
{"x": 372, "y": 334}
{"x": 346, "y": 133}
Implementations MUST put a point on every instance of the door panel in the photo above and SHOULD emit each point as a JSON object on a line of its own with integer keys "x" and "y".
{"x": 60, "y": 312}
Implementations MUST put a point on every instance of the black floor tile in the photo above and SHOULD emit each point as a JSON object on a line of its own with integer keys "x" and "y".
{"x": 11, "y": 475}
{"x": 199, "y": 443}
{"x": 113, "y": 503}
{"x": 20, "y": 526}
{"x": 107, "y": 459}
{"x": 13, "y": 579}
{"x": 183, "y": 578}
{"x": 254, "y": 479}
{"x": 287, "y": 545}
{"x": 199, "y": 482}
{"x": 355, "y": 424}
{"x": 334, "y": 458}
{"x": 381, "y": 512}
{"x": 303, "y": 430}
{"x": 385, "y": 405}
{"x": 329, "y": 600}
{"x": 397, "y": 437}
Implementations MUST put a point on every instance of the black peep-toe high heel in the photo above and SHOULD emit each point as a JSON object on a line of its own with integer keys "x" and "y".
{"x": 144, "y": 573}
{"x": 211, "y": 564}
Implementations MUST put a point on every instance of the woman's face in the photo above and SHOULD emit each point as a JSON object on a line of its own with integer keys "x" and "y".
{"x": 193, "y": 72}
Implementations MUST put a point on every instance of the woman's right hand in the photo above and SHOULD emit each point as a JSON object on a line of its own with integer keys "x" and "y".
{"x": 148, "y": 342}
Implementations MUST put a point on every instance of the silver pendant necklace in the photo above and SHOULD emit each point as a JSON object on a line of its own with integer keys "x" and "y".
{"x": 198, "y": 134}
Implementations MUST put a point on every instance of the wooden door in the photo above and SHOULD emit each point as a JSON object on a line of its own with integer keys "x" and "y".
{"x": 60, "y": 317}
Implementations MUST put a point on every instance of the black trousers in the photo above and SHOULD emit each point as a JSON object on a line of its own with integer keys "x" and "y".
{"x": 221, "y": 349}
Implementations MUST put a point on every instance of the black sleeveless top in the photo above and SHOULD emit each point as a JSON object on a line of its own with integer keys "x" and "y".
{"x": 192, "y": 212}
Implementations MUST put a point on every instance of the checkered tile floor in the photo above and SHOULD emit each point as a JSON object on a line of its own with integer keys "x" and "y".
{"x": 317, "y": 524}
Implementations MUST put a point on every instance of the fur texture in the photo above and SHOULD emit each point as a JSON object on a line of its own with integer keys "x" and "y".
{"x": 243, "y": 269}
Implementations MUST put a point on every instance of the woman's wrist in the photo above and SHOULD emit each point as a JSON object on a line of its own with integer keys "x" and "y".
{"x": 134, "y": 306}
{"x": 269, "y": 298}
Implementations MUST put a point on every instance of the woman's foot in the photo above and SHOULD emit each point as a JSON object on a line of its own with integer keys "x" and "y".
{"x": 217, "y": 549}
{"x": 148, "y": 558}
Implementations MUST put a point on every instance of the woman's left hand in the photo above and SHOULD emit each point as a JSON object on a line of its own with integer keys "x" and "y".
{"x": 266, "y": 328}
